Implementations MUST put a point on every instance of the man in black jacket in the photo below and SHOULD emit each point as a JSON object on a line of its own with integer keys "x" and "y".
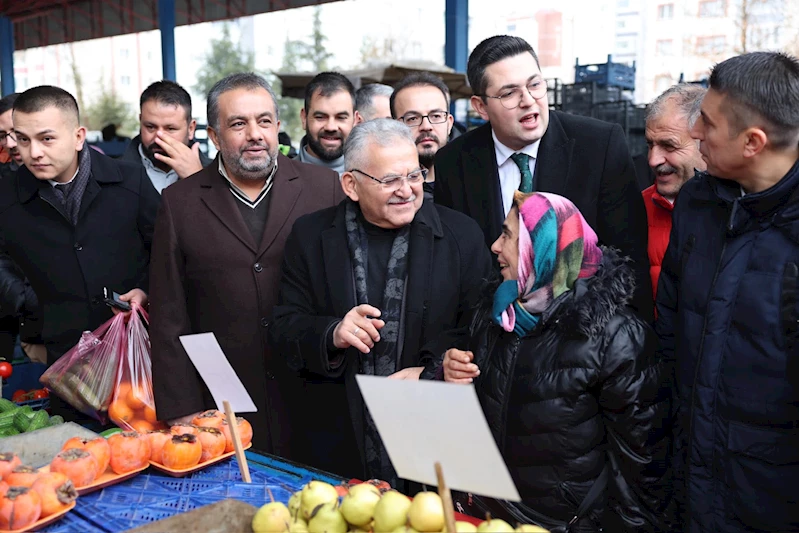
{"x": 526, "y": 146}
{"x": 74, "y": 220}
{"x": 165, "y": 144}
{"x": 370, "y": 286}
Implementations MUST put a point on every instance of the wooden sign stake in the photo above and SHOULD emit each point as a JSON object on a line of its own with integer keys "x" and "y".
{"x": 234, "y": 434}
{"x": 446, "y": 499}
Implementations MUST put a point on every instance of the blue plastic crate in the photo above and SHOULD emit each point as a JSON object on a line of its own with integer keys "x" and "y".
{"x": 73, "y": 523}
{"x": 151, "y": 496}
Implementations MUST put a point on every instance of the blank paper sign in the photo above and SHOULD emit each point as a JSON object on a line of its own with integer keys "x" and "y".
{"x": 223, "y": 382}
{"x": 424, "y": 422}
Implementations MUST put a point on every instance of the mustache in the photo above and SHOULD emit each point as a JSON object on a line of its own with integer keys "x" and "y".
{"x": 427, "y": 136}
{"x": 255, "y": 145}
{"x": 331, "y": 134}
{"x": 664, "y": 169}
{"x": 395, "y": 200}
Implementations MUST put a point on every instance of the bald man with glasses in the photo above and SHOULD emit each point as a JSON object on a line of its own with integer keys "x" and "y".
{"x": 372, "y": 286}
{"x": 525, "y": 146}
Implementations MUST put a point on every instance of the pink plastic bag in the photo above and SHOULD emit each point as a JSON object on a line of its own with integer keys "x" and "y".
{"x": 133, "y": 405}
{"x": 85, "y": 376}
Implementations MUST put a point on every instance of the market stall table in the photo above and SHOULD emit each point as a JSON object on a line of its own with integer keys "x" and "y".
{"x": 152, "y": 496}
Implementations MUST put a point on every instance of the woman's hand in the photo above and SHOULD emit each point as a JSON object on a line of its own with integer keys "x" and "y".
{"x": 458, "y": 366}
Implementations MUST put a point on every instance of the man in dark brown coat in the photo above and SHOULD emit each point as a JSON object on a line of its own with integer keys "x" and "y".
{"x": 217, "y": 254}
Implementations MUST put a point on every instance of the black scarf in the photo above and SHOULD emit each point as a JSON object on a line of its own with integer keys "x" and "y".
{"x": 70, "y": 195}
{"x": 382, "y": 360}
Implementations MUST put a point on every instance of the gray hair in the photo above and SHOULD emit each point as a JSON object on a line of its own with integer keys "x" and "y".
{"x": 364, "y": 98}
{"x": 380, "y": 132}
{"x": 240, "y": 80}
{"x": 686, "y": 96}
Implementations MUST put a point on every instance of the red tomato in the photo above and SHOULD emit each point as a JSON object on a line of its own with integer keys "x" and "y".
{"x": 18, "y": 396}
{"x": 5, "y": 370}
{"x": 40, "y": 394}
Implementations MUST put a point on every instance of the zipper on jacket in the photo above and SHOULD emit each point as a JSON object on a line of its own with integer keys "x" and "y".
{"x": 514, "y": 352}
{"x": 728, "y": 227}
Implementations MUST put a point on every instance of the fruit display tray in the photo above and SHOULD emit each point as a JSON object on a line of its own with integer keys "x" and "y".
{"x": 183, "y": 472}
{"x": 152, "y": 496}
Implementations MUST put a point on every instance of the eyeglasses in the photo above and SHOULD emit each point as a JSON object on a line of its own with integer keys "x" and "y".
{"x": 393, "y": 183}
{"x": 513, "y": 97}
{"x": 7, "y": 134}
{"x": 436, "y": 117}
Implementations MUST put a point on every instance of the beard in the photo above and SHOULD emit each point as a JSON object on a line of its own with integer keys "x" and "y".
{"x": 249, "y": 170}
{"x": 325, "y": 154}
{"x": 153, "y": 149}
{"x": 427, "y": 155}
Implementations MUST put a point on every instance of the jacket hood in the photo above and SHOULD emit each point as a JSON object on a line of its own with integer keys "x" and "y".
{"x": 589, "y": 306}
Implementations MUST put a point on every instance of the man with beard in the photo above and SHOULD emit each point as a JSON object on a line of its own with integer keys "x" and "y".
{"x": 216, "y": 259}
{"x": 673, "y": 157}
{"x": 165, "y": 144}
{"x": 421, "y": 101}
{"x": 7, "y": 140}
{"x": 328, "y": 118}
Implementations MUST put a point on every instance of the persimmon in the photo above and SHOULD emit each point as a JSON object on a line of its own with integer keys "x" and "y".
{"x": 74, "y": 442}
{"x": 8, "y": 462}
{"x": 213, "y": 443}
{"x": 56, "y": 491}
{"x": 119, "y": 411}
{"x": 3, "y": 488}
{"x": 130, "y": 451}
{"x": 77, "y": 464}
{"x": 101, "y": 451}
{"x": 245, "y": 433}
{"x": 22, "y": 476}
{"x": 181, "y": 451}
{"x": 157, "y": 440}
{"x": 184, "y": 429}
{"x": 19, "y": 508}
{"x": 141, "y": 426}
{"x": 149, "y": 414}
{"x": 135, "y": 397}
{"x": 209, "y": 419}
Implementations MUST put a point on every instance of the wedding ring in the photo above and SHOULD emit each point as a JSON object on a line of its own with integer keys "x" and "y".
{"x": 356, "y": 330}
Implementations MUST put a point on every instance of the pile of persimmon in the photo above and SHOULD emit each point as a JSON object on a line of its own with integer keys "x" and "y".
{"x": 129, "y": 409}
{"x": 26, "y": 495}
{"x": 216, "y": 419}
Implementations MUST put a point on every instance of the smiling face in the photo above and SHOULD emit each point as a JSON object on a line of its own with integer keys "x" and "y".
{"x": 170, "y": 120}
{"x": 327, "y": 123}
{"x": 673, "y": 154}
{"x": 520, "y": 127}
{"x": 247, "y": 136}
{"x": 384, "y": 208}
{"x": 419, "y": 101}
{"x": 506, "y": 247}
{"x": 49, "y": 141}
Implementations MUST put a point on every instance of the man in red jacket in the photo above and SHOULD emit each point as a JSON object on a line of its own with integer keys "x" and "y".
{"x": 673, "y": 157}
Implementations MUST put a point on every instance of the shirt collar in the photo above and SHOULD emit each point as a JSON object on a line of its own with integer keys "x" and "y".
{"x": 267, "y": 183}
{"x": 54, "y": 183}
{"x": 503, "y": 153}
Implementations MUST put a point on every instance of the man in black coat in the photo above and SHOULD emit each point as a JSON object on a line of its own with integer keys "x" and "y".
{"x": 526, "y": 146}
{"x": 165, "y": 145}
{"x": 370, "y": 287}
{"x": 74, "y": 220}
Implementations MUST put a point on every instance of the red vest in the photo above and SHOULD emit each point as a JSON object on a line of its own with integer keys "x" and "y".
{"x": 658, "y": 214}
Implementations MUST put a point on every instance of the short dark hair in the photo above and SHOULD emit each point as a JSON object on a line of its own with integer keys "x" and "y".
{"x": 490, "y": 51}
{"x": 762, "y": 89}
{"x": 167, "y": 92}
{"x": 240, "y": 80}
{"x": 365, "y": 96}
{"x": 7, "y": 102}
{"x": 328, "y": 83}
{"x": 40, "y": 98}
{"x": 418, "y": 79}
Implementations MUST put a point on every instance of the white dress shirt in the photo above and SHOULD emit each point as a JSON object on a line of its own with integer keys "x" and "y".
{"x": 510, "y": 177}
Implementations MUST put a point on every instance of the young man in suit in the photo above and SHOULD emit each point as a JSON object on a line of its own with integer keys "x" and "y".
{"x": 217, "y": 252}
{"x": 526, "y": 146}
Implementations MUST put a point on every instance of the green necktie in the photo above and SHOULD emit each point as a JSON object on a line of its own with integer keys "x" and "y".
{"x": 523, "y": 162}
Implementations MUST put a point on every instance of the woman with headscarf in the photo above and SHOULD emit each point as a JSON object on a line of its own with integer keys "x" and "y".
{"x": 569, "y": 379}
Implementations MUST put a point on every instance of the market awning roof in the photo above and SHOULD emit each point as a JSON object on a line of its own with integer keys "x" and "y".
{"x": 293, "y": 84}
{"x": 46, "y": 22}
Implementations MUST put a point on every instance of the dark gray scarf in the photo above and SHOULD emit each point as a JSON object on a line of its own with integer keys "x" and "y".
{"x": 383, "y": 359}
{"x": 70, "y": 195}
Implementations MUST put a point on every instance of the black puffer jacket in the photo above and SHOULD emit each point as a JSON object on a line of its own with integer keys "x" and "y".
{"x": 585, "y": 387}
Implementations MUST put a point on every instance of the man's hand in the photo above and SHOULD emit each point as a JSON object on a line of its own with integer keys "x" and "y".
{"x": 458, "y": 366}
{"x": 183, "y": 160}
{"x": 411, "y": 373}
{"x": 136, "y": 296}
{"x": 358, "y": 329}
